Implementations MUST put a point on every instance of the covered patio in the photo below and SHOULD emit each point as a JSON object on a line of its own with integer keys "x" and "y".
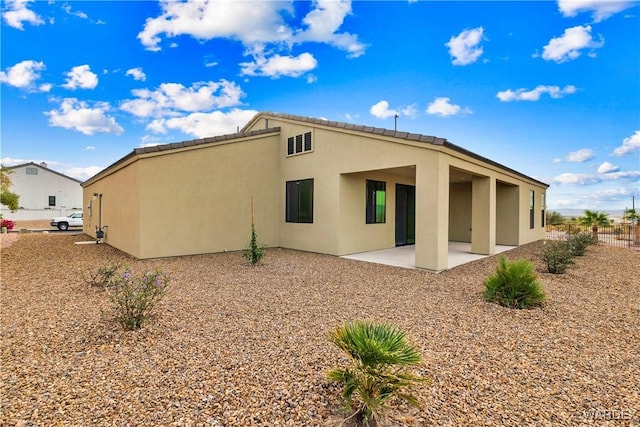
{"x": 404, "y": 256}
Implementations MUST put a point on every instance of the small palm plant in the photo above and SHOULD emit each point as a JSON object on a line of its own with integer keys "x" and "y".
{"x": 379, "y": 354}
{"x": 594, "y": 219}
{"x": 514, "y": 285}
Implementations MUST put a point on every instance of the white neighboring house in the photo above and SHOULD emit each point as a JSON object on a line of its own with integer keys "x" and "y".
{"x": 44, "y": 193}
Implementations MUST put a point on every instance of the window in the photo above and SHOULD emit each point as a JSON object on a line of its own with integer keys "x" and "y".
{"x": 532, "y": 202}
{"x": 299, "y": 144}
{"x": 32, "y": 171}
{"x": 300, "y": 201}
{"x": 307, "y": 141}
{"x": 376, "y": 202}
{"x": 290, "y": 146}
{"x": 52, "y": 200}
{"x": 542, "y": 210}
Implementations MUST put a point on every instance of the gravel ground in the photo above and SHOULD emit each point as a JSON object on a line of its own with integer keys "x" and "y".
{"x": 233, "y": 345}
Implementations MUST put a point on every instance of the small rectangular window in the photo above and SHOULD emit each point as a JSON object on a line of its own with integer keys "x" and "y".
{"x": 52, "y": 200}
{"x": 532, "y": 202}
{"x": 376, "y": 202}
{"x": 32, "y": 171}
{"x": 290, "y": 146}
{"x": 299, "y": 201}
{"x": 543, "y": 207}
{"x": 307, "y": 141}
{"x": 298, "y": 143}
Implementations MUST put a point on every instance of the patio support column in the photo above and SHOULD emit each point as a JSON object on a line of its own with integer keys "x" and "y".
{"x": 432, "y": 214}
{"x": 483, "y": 215}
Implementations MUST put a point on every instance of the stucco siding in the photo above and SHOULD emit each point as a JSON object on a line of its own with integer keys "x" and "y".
{"x": 460, "y": 212}
{"x": 35, "y": 189}
{"x": 120, "y": 205}
{"x": 199, "y": 200}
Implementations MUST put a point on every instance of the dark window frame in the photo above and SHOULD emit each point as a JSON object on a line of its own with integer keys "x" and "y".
{"x": 52, "y": 200}
{"x": 373, "y": 214}
{"x": 299, "y": 201}
{"x": 532, "y": 206}
{"x": 290, "y": 146}
{"x": 31, "y": 171}
{"x": 298, "y": 144}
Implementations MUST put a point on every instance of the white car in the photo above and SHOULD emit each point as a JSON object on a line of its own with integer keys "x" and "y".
{"x": 64, "y": 222}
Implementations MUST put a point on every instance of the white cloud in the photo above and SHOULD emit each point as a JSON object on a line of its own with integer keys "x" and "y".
{"x": 81, "y": 174}
{"x": 17, "y": 13}
{"x": 260, "y": 26}
{"x": 80, "y": 116}
{"x": 323, "y": 24}
{"x": 202, "y": 125}
{"x": 607, "y": 167}
{"x": 535, "y": 94}
{"x": 593, "y": 178}
{"x": 580, "y": 156}
{"x": 443, "y": 107}
{"x": 45, "y": 87}
{"x": 23, "y": 74}
{"x": 249, "y": 22}
{"x": 172, "y": 98}
{"x": 629, "y": 145}
{"x": 410, "y": 111}
{"x": 568, "y": 46}
{"x": 601, "y": 9}
{"x": 79, "y": 14}
{"x": 465, "y": 47}
{"x": 277, "y": 66}
{"x": 81, "y": 77}
{"x": 137, "y": 74}
{"x": 593, "y": 199}
{"x": 381, "y": 110}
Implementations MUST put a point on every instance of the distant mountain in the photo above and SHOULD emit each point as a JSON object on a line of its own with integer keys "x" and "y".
{"x": 613, "y": 214}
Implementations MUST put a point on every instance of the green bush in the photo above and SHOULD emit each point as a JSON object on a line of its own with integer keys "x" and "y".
{"x": 579, "y": 242}
{"x": 133, "y": 298}
{"x": 557, "y": 256}
{"x": 254, "y": 251}
{"x": 378, "y": 356}
{"x": 514, "y": 285}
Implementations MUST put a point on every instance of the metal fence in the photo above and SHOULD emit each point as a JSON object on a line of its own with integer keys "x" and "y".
{"x": 626, "y": 235}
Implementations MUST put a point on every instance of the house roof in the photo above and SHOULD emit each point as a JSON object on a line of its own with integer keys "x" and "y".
{"x": 45, "y": 168}
{"x": 177, "y": 145}
{"x": 414, "y": 137}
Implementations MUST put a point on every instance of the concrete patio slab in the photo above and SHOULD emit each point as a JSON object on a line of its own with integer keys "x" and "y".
{"x": 404, "y": 256}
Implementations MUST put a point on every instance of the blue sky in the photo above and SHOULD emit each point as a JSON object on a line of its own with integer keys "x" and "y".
{"x": 551, "y": 89}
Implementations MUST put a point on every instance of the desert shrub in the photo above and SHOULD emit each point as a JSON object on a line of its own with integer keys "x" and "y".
{"x": 378, "y": 356}
{"x": 103, "y": 275}
{"x": 254, "y": 251}
{"x": 514, "y": 285}
{"x": 557, "y": 256}
{"x": 133, "y": 298}
{"x": 579, "y": 242}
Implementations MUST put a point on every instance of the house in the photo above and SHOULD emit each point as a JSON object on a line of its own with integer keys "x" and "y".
{"x": 317, "y": 185}
{"x": 42, "y": 188}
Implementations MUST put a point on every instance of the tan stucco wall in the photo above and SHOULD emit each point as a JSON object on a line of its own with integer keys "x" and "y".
{"x": 191, "y": 201}
{"x": 120, "y": 209}
{"x": 507, "y": 214}
{"x": 199, "y": 201}
{"x": 355, "y": 234}
{"x": 460, "y": 212}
